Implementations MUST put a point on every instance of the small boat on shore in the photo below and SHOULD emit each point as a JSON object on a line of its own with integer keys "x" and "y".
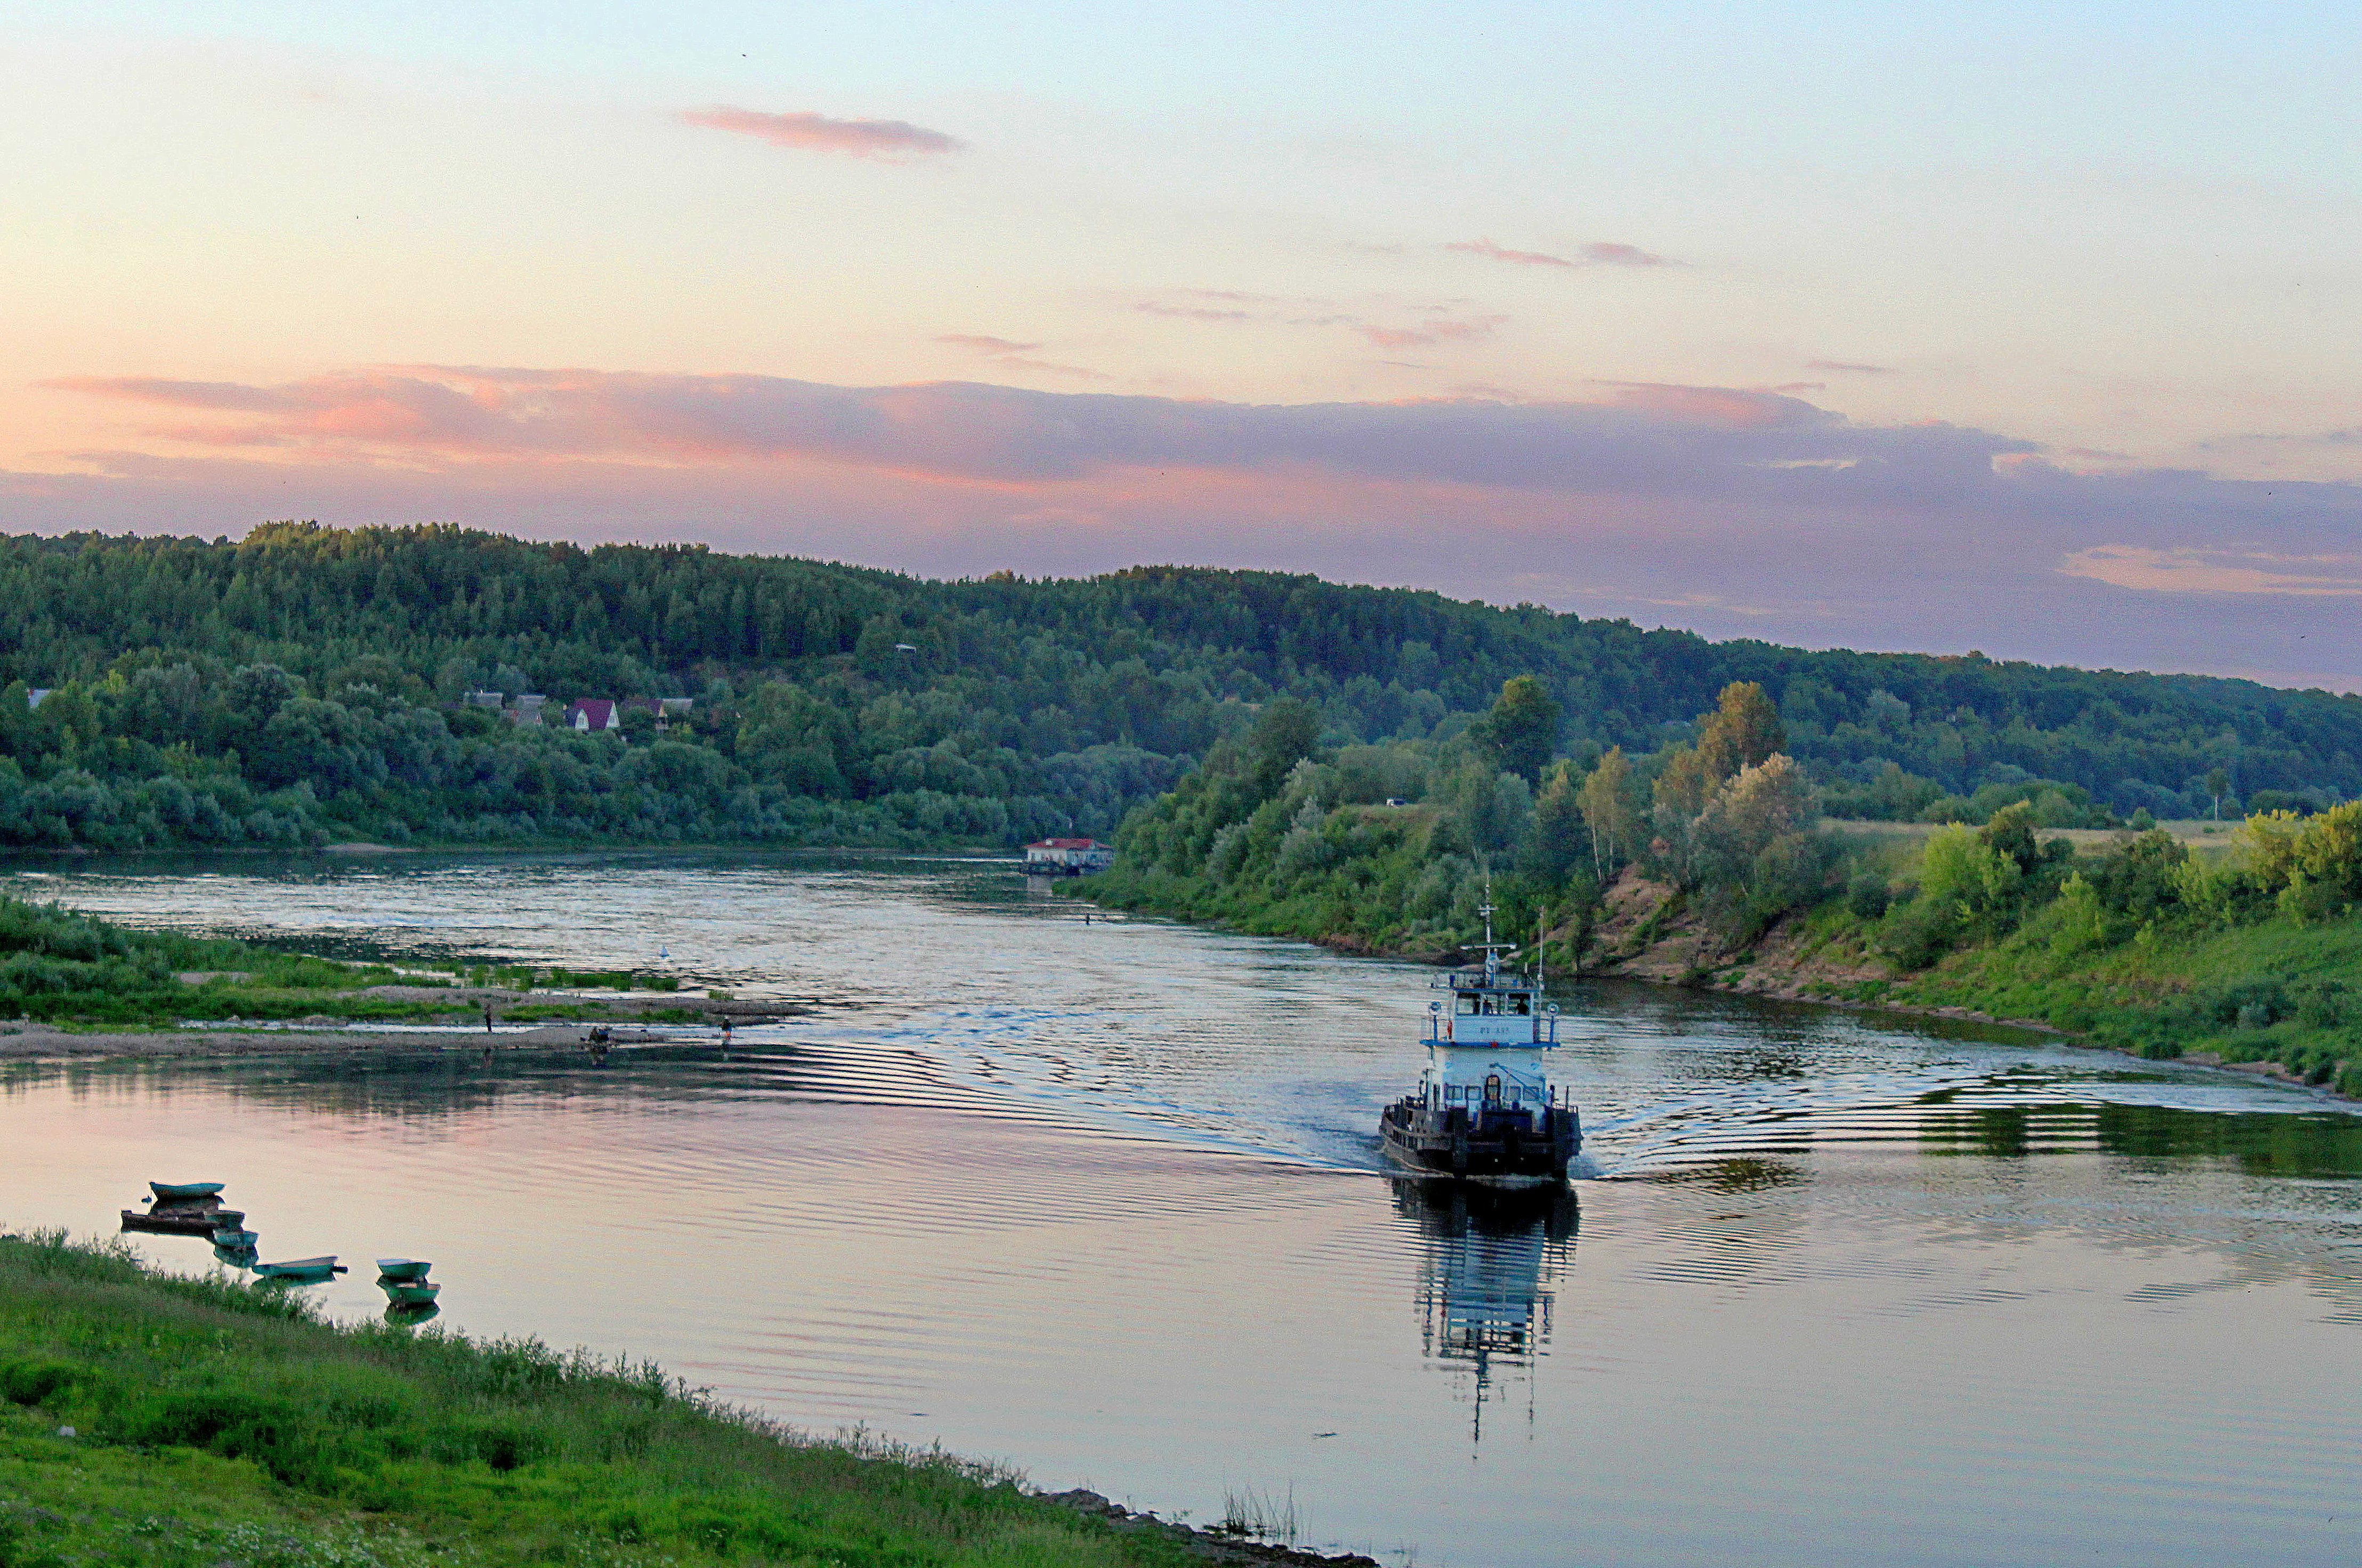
{"x": 305, "y": 1270}
{"x": 185, "y": 1191}
{"x": 191, "y": 1219}
{"x": 236, "y": 1240}
{"x": 410, "y": 1292}
{"x": 401, "y": 1269}
{"x": 1485, "y": 1108}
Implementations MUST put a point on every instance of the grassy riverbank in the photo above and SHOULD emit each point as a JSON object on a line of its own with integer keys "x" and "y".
{"x": 222, "y": 1424}
{"x": 2281, "y": 992}
{"x": 75, "y": 973}
{"x": 1709, "y": 863}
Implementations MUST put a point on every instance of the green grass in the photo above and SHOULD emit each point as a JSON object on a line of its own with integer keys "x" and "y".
{"x": 79, "y": 973}
{"x": 223, "y": 1424}
{"x": 2276, "y": 990}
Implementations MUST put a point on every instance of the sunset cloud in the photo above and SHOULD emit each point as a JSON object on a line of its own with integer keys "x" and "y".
{"x": 1639, "y": 438}
{"x": 1605, "y": 253}
{"x": 1012, "y": 355}
{"x": 2218, "y": 571}
{"x": 985, "y": 345}
{"x": 1471, "y": 329}
{"x": 1608, "y": 253}
{"x": 1849, "y": 367}
{"x": 1736, "y": 511}
{"x": 891, "y": 141}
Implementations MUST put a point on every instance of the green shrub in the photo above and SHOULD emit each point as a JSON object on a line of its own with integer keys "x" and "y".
{"x": 1868, "y": 897}
{"x": 38, "y": 1381}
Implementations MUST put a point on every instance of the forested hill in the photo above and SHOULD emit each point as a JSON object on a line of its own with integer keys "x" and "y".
{"x": 306, "y": 683}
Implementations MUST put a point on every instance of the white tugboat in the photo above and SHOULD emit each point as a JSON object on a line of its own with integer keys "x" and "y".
{"x": 1484, "y": 1106}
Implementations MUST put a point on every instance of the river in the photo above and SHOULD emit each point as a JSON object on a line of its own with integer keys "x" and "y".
{"x": 1103, "y": 1199}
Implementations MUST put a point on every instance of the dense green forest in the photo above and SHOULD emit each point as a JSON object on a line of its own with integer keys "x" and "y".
{"x": 304, "y": 685}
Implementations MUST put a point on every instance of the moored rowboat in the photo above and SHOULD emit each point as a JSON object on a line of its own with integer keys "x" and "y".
{"x": 402, "y": 1268}
{"x": 409, "y": 1293}
{"x": 300, "y": 1268}
{"x": 190, "y": 1221}
{"x": 183, "y": 1191}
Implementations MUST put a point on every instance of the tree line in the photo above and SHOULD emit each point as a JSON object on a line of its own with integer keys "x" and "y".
{"x": 305, "y": 684}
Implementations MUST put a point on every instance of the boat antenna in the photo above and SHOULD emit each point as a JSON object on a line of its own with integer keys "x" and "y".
{"x": 1491, "y": 948}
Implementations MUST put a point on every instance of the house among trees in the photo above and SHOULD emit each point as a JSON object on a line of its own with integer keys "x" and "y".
{"x": 666, "y": 709}
{"x": 593, "y": 714}
{"x": 527, "y": 710}
{"x": 1068, "y": 857}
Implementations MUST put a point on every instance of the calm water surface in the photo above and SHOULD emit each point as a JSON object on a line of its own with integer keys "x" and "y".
{"x": 1104, "y": 1201}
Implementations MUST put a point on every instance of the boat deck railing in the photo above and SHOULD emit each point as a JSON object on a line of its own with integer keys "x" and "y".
{"x": 1478, "y": 980}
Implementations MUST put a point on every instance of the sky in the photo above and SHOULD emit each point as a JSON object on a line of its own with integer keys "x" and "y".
{"x": 2024, "y": 329}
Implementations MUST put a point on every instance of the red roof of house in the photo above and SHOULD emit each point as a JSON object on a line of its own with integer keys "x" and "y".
{"x": 1066, "y": 844}
{"x": 600, "y": 711}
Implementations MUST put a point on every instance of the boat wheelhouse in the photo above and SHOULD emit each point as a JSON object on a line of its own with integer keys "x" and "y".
{"x": 1484, "y": 1106}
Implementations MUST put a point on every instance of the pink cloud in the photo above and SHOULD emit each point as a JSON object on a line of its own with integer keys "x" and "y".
{"x": 1011, "y": 354}
{"x": 1469, "y": 330}
{"x": 984, "y": 344}
{"x": 1610, "y": 254}
{"x": 1738, "y": 407}
{"x": 1193, "y": 313}
{"x": 1849, "y": 368}
{"x": 889, "y": 140}
{"x": 1604, "y": 252}
{"x": 1644, "y": 434}
{"x": 1493, "y": 252}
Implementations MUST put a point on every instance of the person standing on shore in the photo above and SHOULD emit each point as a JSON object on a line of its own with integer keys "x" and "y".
{"x": 488, "y": 1018}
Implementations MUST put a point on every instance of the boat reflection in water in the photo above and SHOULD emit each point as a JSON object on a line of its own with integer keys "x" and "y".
{"x": 1490, "y": 1259}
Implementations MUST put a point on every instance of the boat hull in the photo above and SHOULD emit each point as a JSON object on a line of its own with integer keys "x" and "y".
{"x": 1529, "y": 1145}
{"x": 193, "y": 1220}
{"x": 301, "y": 1270}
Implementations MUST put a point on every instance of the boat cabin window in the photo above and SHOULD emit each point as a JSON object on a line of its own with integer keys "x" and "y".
{"x": 1465, "y": 1006}
{"x": 1493, "y": 1089}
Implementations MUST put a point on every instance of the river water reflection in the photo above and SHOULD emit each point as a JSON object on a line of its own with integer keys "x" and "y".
{"x": 1104, "y": 1201}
